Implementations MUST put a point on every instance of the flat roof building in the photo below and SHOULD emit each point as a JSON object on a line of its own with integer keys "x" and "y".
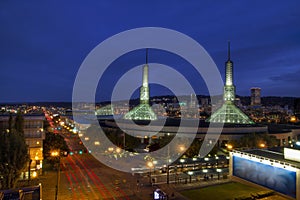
{"x": 255, "y": 96}
{"x": 278, "y": 171}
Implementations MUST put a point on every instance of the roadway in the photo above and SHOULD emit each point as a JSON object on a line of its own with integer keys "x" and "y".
{"x": 84, "y": 177}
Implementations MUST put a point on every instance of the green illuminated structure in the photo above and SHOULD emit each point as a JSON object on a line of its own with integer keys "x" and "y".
{"x": 105, "y": 110}
{"x": 143, "y": 111}
{"x": 229, "y": 113}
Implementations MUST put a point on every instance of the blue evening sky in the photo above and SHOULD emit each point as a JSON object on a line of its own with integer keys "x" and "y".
{"x": 43, "y": 43}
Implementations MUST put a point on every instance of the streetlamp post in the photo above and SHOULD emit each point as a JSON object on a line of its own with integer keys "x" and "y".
{"x": 190, "y": 173}
{"x": 219, "y": 171}
{"x": 150, "y": 165}
{"x": 29, "y": 166}
{"x": 168, "y": 165}
{"x": 56, "y": 154}
{"x": 124, "y": 140}
{"x": 168, "y": 173}
{"x": 181, "y": 149}
{"x": 57, "y": 179}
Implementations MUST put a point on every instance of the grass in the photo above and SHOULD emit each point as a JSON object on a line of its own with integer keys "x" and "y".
{"x": 226, "y": 191}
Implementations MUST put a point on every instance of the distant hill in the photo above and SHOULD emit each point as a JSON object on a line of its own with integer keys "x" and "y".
{"x": 46, "y": 104}
{"x": 245, "y": 100}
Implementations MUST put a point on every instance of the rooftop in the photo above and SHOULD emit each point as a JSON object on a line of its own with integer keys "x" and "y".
{"x": 272, "y": 156}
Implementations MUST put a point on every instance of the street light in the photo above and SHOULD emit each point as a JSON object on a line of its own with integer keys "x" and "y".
{"x": 190, "y": 173}
{"x": 168, "y": 164}
{"x": 29, "y": 167}
{"x": 219, "y": 171}
{"x": 110, "y": 149}
{"x": 118, "y": 150}
{"x": 262, "y": 145}
{"x": 150, "y": 165}
{"x": 229, "y": 146}
{"x": 56, "y": 155}
{"x": 181, "y": 148}
{"x": 34, "y": 174}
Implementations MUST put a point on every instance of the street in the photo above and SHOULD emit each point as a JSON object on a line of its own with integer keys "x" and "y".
{"x": 83, "y": 177}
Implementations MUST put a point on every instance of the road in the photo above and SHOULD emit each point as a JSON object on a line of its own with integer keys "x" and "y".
{"x": 84, "y": 177}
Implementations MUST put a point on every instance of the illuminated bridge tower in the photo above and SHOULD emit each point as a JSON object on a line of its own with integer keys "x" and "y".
{"x": 143, "y": 111}
{"x": 229, "y": 113}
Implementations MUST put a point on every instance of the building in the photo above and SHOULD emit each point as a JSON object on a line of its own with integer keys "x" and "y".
{"x": 255, "y": 96}
{"x": 236, "y": 122}
{"x": 297, "y": 107}
{"x": 143, "y": 111}
{"x": 229, "y": 112}
{"x": 286, "y": 134}
{"x": 278, "y": 171}
{"x": 193, "y": 101}
{"x": 34, "y": 136}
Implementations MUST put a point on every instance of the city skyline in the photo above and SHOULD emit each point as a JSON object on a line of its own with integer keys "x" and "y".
{"x": 43, "y": 44}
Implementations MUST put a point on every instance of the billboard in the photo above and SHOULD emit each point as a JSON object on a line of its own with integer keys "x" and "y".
{"x": 275, "y": 178}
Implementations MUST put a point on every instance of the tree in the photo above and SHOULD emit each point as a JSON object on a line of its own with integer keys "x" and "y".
{"x": 193, "y": 150}
{"x": 256, "y": 140}
{"x": 19, "y": 123}
{"x": 116, "y": 136}
{"x": 54, "y": 142}
{"x": 10, "y": 122}
{"x": 13, "y": 153}
{"x": 160, "y": 142}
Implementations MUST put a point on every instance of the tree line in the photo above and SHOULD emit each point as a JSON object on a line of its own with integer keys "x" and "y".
{"x": 13, "y": 152}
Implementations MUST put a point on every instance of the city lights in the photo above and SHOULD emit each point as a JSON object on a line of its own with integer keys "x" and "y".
{"x": 229, "y": 146}
{"x": 110, "y": 149}
{"x": 181, "y": 148}
{"x": 54, "y": 153}
{"x": 262, "y": 145}
{"x": 293, "y": 119}
{"x": 118, "y": 150}
{"x": 150, "y": 164}
{"x": 97, "y": 105}
{"x": 190, "y": 173}
{"x": 34, "y": 174}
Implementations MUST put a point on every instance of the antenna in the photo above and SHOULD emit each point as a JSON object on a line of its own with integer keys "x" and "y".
{"x": 147, "y": 56}
{"x": 228, "y": 50}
